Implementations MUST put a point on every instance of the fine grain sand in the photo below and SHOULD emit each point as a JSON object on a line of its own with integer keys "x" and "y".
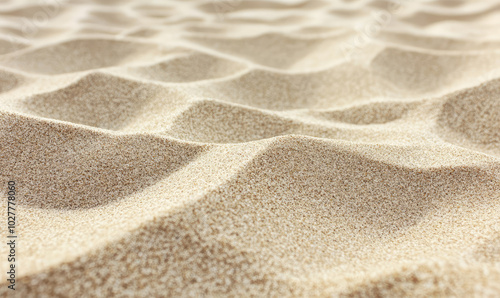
{"x": 251, "y": 148}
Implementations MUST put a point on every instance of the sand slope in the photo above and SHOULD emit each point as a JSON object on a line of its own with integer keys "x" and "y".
{"x": 252, "y": 148}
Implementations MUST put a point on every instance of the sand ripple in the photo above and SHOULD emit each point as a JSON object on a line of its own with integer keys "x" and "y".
{"x": 253, "y": 148}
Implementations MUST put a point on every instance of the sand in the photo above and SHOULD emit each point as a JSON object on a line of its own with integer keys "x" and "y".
{"x": 301, "y": 148}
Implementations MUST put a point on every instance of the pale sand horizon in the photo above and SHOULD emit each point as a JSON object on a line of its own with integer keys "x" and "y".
{"x": 251, "y": 148}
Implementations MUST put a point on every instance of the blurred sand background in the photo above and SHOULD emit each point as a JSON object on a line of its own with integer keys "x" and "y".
{"x": 252, "y": 148}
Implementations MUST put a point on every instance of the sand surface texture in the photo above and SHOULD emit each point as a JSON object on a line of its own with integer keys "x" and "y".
{"x": 251, "y": 148}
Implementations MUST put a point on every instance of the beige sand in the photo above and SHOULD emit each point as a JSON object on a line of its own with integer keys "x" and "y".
{"x": 251, "y": 148}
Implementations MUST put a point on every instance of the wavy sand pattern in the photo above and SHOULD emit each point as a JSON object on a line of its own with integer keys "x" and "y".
{"x": 252, "y": 148}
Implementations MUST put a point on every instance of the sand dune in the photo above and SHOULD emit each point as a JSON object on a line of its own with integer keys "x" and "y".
{"x": 276, "y": 148}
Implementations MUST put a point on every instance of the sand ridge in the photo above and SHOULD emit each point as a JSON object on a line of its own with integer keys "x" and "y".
{"x": 252, "y": 148}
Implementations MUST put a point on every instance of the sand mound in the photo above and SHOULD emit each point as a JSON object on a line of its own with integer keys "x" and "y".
{"x": 252, "y": 148}
{"x": 78, "y": 55}
{"x": 88, "y": 173}
{"x": 319, "y": 202}
{"x": 475, "y": 113}
{"x": 8, "y": 81}
{"x": 284, "y": 91}
{"x": 188, "y": 68}
{"x": 98, "y": 100}
{"x": 301, "y": 52}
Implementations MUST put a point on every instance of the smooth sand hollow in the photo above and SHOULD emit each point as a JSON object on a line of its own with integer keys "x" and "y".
{"x": 251, "y": 148}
